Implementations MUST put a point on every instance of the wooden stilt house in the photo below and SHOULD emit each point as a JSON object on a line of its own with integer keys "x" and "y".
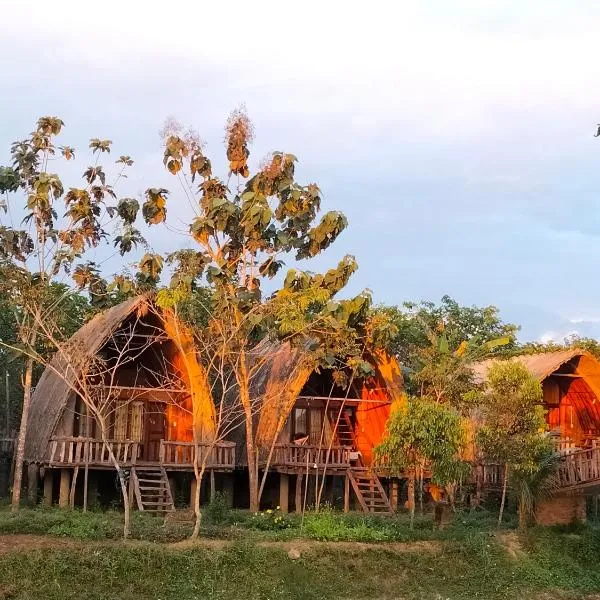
{"x": 571, "y": 396}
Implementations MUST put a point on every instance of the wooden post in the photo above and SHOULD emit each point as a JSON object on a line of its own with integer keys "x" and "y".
{"x": 32, "y": 483}
{"x": 284, "y": 492}
{"x": 86, "y": 451}
{"x": 48, "y": 485}
{"x": 65, "y": 483}
{"x": 298, "y": 498}
{"x": 346, "y": 494}
{"x": 212, "y": 485}
{"x": 73, "y": 487}
{"x": 172, "y": 486}
{"x": 394, "y": 495}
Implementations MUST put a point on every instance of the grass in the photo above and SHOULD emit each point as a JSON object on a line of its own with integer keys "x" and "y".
{"x": 467, "y": 560}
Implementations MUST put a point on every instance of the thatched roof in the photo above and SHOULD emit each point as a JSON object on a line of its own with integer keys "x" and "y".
{"x": 53, "y": 390}
{"x": 539, "y": 365}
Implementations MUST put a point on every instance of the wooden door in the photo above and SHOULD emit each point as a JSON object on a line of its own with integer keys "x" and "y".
{"x": 154, "y": 431}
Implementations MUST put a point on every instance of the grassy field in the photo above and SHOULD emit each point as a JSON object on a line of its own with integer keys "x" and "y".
{"x": 73, "y": 555}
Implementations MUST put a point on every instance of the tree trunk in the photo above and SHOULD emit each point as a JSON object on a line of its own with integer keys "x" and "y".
{"x": 522, "y": 512}
{"x": 504, "y": 485}
{"x": 251, "y": 452}
{"x": 126, "y": 503}
{"x": 198, "y": 474}
{"x": 20, "y": 454}
{"x": 411, "y": 497}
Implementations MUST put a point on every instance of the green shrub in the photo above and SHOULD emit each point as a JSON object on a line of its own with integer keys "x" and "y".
{"x": 217, "y": 511}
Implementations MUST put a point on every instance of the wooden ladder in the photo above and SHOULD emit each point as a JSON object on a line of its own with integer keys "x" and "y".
{"x": 344, "y": 432}
{"x": 369, "y": 491}
{"x": 152, "y": 490}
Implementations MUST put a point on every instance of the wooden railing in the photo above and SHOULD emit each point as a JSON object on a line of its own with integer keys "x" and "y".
{"x": 579, "y": 468}
{"x": 490, "y": 475}
{"x": 184, "y": 454}
{"x": 80, "y": 451}
{"x": 293, "y": 455}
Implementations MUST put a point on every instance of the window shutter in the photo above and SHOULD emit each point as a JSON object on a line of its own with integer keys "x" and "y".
{"x": 137, "y": 419}
{"x": 120, "y": 429}
{"x": 316, "y": 425}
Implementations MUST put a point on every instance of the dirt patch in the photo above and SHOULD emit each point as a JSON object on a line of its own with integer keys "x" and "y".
{"x": 296, "y": 548}
{"x": 200, "y": 543}
{"x": 18, "y": 543}
{"x": 511, "y": 543}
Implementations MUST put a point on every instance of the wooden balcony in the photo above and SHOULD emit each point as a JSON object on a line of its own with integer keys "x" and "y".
{"x": 295, "y": 457}
{"x": 80, "y": 451}
{"x": 77, "y": 451}
{"x": 220, "y": 455}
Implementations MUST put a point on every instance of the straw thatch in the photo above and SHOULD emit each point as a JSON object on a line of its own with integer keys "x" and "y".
{"x": 53, "y": 390}
{"x": 542, "y": 365}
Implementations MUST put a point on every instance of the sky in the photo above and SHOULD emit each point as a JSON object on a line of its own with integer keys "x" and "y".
{"x": 456, "y": 135}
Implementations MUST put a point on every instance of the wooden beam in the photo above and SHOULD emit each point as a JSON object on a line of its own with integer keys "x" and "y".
{"x": 346, "y": 494}
{"x": 48, "y": 485}
{"x": 298, "y": 496}
{"x": 73, "y": 487}
{"x": 65, "y": 482}
{"x": 572, "y": 375}
{"x": 284, "y": 492}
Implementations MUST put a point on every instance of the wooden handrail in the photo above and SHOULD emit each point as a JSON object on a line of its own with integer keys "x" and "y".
{"x": 186, "y": 454}
{"x": 579, "y": 468}
{"x": 81, "y": 450}
{"x": 321, "y": 456}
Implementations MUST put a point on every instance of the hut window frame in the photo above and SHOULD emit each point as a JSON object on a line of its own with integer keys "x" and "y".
{"x": 302, "y": 415}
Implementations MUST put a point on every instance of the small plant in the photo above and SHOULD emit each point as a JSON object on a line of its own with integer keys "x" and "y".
{"x": 217, "y": 511}
{"x": 270, "y": 520}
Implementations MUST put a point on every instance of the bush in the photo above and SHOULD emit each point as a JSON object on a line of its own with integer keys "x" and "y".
{"x": 217, "y": 511}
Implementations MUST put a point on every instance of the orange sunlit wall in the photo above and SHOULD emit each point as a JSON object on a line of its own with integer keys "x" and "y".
{"x": 371, "y": 419}
{"x": 573, "y": 409}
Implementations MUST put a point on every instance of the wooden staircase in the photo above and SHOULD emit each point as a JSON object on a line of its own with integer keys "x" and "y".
{"x": 344, "y": 432}
{"x": 369, "y": 491}
{"x": 152, "y": 490}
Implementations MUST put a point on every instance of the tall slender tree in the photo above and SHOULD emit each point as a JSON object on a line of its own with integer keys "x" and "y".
{"x": 47, "y": 245}
{"x": 244, "y": 226}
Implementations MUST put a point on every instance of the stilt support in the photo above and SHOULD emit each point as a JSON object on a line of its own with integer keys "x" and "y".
{"x": 48, "y": 488}
{"x": 284, "y": 492}
{"x": 65, "y": 484}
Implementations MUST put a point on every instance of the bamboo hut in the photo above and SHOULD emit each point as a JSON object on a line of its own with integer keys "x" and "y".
{"x": 571, "y": 397}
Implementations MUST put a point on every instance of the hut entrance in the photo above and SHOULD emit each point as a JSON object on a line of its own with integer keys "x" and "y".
{"x": 154, "y": 431}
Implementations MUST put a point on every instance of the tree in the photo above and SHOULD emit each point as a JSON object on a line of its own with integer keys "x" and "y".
{"x": 423, "y": 433}
{"x": 414, "y": 321}
{"x": 74, "y": 311}
{"x": 48, "y": 245}
{"x": 243, "y": 228}
{"x": 444, "y": 367}
{"x": 513, "y": 422}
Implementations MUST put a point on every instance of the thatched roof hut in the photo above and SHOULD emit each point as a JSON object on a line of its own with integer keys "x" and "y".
{"x": 54, "y": 390}
{"x": 571, "y": 384}
{"x": 55, "y": 393}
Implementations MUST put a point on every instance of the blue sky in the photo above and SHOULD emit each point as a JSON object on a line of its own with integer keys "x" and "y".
{"x": 455, "y": 135}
